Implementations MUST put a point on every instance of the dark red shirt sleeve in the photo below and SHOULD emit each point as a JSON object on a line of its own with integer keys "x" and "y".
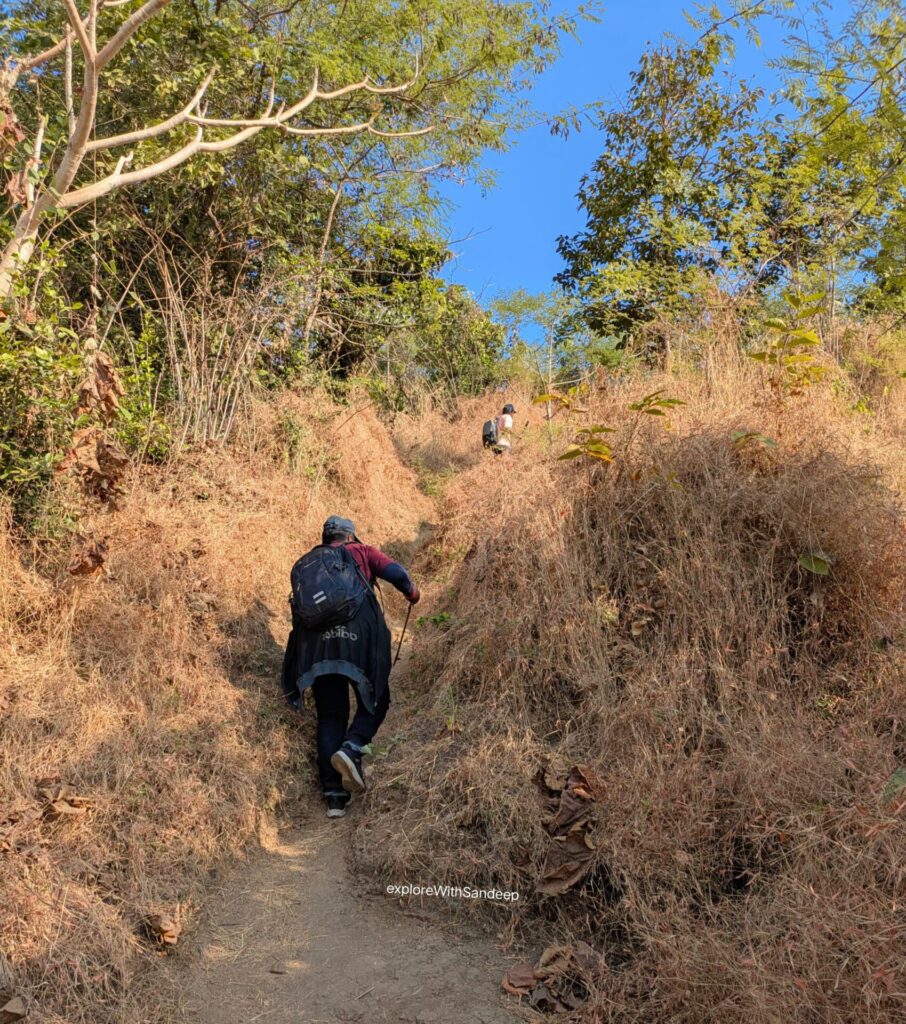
{"x": 375, "y": 564}
{"x": 376, "y": 560}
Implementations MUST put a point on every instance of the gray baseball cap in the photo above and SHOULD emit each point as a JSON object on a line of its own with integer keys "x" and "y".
{"x": 337, "y": 526}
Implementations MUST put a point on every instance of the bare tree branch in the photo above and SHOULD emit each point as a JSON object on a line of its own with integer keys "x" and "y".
{"x": 36, "y": 157}
{"x": 67, "y": 86}
{"x": 26, "y": 64}
{"x": 130, "y": 138}
{"x": 62, "y": 195}
{"x": 75, "y": 19}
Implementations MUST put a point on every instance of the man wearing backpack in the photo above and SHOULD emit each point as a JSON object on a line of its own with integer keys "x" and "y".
{"x": 339, "y": 638}
{"x": 496, "y": 433}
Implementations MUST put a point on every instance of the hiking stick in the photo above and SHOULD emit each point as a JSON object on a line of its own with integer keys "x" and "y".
{"x": 399, "y": 646}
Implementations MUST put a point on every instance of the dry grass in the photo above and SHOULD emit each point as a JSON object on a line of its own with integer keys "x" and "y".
{"x": 650, "y": 619}
{"x": 151, "y": 690}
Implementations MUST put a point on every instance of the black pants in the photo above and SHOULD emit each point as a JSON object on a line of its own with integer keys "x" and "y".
{"x": 332, "y": 705}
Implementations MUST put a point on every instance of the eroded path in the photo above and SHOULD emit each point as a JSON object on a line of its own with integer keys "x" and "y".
{"x": 289, "y": 936}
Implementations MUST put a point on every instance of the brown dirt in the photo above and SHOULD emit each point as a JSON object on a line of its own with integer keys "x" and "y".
{"x": 291, "y": 936}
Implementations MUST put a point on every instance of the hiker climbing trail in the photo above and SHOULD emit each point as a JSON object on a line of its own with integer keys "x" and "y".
{"x": 290, "y": 936}
{"x": 294, "y": 935}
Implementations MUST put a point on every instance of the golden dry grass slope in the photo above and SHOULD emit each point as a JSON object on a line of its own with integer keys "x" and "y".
{"x": 731, "y": 849}
{"x": 631, "y": 699}
{"x": 142, "y": 737}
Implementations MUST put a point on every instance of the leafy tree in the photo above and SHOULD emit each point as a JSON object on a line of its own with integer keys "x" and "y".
{"x": 277, "y": 220}
{"x": 392, "y": 316}
{"x": 830, "y": 176}
{"x": 848, "y": 84}
{"x": 659, "y": 201}
{"x": 308, "y": 71}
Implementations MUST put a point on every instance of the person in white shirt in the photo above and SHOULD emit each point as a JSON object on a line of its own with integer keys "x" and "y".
{"x": 504, "y": 430}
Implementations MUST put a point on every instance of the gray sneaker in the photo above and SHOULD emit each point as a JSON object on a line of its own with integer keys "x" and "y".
{"x": 336, "y": 806}
{"x": 348, "y": 763}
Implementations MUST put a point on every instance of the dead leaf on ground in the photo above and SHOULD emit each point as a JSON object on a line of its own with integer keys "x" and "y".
{"x": 553, "y": 961}
{"x": 569, "y": 859}
{"x": 561, "y": 980}
{"x": 574, "y": 805}
{"x": 571, "y": 852}
{"x": 62, "y": 801}
{"x": 90, "y": 557}
{"x": 543, "y": 999}
{"x": 165, "y": 928}
{"x": 519, "y": 980}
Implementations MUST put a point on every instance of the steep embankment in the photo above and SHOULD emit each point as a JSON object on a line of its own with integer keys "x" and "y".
{"x": 142, "y": 738}
{"x": 632, "y": 700}
{"x": 641, "y": 704}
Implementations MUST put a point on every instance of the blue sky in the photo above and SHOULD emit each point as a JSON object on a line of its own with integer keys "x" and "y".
{"x": 506, "y": 238}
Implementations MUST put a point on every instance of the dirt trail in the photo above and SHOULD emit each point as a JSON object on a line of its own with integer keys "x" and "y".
{"x": 290, "y": 937}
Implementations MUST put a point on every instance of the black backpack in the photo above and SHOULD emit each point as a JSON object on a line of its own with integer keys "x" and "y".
{"x": 328, "y": 587}
{"x": 489, "y": 434}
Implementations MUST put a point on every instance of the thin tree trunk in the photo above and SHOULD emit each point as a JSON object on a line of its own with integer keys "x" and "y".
{"x": 322, "y": 263}
{"x": 550, "y": 384}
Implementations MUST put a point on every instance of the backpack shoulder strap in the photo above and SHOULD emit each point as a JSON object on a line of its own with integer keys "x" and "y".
{"x": 355, "y": 565}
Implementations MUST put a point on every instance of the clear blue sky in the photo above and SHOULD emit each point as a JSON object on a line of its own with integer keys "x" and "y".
{"x": 510, "y": 233}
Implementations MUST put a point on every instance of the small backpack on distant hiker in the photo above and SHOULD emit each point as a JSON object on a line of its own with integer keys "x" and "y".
{"x": 489, "y": 433}
{"x": 495, "y": 434}
{"x": 328, "y": 589}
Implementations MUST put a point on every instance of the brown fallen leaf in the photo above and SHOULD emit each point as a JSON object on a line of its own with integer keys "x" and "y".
{"x": 89, "y": 558}
{"x": 164, "y": 928}
{"x": 570, "y": 854}
{"x": 573, "y": 809}
{"x": 572, "y": 1001}
{"x": 519, "y": 980}
{"x": 567, "y": 863}
{"x": 62, "y": 801}
{"x": 561, "y": 980}
{"x": 553, "y": 961}
{"x": 543, "y": 999}
{"x": 588, "y": 961}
